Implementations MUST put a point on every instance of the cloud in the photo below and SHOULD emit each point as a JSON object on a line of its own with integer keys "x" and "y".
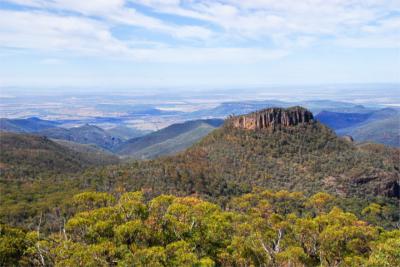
{"x": 116, "y": 12}
{"x": 48, "y": 32}
{"x": 197, "y": 31}
{"x": 44, "y": 31}
{"x": 382, "y": 34}
{"x": 285, "y": 20}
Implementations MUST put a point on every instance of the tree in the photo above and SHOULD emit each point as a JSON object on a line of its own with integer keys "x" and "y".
{"x": 386, "y": 251}
{"x": 320, "y": 201}
{"x": 255, "y": 230}
{"x": 13, "y": 243}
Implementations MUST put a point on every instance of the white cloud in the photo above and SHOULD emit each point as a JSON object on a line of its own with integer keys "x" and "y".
{"x": 47, "y": 32}
{"x": 115, "y": 12}
{"x": 85, "y": 27}
{"x": 284, "y": 20}
{"x": 383, "y": 34}
{"x": 98, "y": 7}
{"x": 44, "y": 31}
{"x": 84, "y": 7}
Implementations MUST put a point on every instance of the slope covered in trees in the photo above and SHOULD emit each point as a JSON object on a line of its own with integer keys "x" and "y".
{"x": 339, "y": 120}
{"x": 259, "y": 229}
{"x": 85, "y": 134}
{"x": 380, "y": 126}
{"x": 125, "y": 133}
{"x": 169, "y": 140}
{"x": 28, "y": 125}
{"x": 29, "y": 156}
{"x": 34, "y": 175}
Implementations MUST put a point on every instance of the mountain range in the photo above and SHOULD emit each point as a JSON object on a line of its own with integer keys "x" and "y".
{"x": 347, "y": 119}
{"x": 28, "y": 125}
{"x": 85, "y": 134}
{"x": 26, "y": 155}
{"x": 169, "y": 140}
{"x": 125, "y": 133}
{"x": 226, "y": 109}
{"x": 380, "y": 126}
{"x": 120, "y": 140}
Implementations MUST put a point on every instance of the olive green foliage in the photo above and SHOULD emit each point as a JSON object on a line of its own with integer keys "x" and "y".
{"x": 307, "y": 158}
{"x": 262, "y": 228}
{"x": 37, "y": 178}
{"x": 229, "y": 162}
{"x": 25, "y": 156}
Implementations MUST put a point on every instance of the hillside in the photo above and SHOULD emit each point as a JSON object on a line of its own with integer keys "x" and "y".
{"x": 85, "y": 134}
{"x": 169, "y": 140}
{"x": 83, "y": 148}
{"x": 24, "y": 155}
{"x": 26, "y": 125}
{"x": 125, "y": 133}
{"x": 37, "y": 175}
{"x": 338, "y": 120}
{"x": 386, "y": 131}
{"x": 381, "y": 126}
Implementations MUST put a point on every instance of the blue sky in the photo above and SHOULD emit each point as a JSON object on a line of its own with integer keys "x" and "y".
{"x": 194, "y": 43}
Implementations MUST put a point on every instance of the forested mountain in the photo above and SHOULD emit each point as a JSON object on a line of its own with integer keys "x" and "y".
{"x": 122, "y": 140}
{"x": 305, "y": 157}
{"x": 381, "y": 126}
{"x": 85, "y": 134}
{"x": 338, "y": 120}
{"x": 383, "y": 131}
{"x": 26, "y": 125}
{"x": 125, "y": 133}
{"x": 35, "y": 175}
{"x": 83, "y": 148}
{"x": 169, "y": 140}
{"x": 24, "y": 156}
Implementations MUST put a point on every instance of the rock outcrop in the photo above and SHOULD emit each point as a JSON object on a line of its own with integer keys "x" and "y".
{"x": 272, "y": 118}
{"x": 348, "y": 138}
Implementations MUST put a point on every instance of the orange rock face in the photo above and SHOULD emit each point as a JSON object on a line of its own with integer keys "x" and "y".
{"x": 272, "y": 118}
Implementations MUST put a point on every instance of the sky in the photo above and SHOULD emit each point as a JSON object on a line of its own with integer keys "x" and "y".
{"x": 197, "y": 43}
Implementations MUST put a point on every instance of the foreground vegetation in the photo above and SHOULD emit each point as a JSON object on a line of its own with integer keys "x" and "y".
{"x": 258, "y": 229}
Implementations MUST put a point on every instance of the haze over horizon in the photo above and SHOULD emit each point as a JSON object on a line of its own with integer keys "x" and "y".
{"x": 194, "y": 44}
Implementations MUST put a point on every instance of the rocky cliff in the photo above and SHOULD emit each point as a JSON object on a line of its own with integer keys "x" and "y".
{"x": 273, "y": 118}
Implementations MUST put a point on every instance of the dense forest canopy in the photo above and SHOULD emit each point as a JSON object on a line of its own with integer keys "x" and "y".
{"x": 259, "y": 229}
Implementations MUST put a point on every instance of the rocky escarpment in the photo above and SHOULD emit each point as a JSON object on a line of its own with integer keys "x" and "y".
{"x": 273, "y": 118}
